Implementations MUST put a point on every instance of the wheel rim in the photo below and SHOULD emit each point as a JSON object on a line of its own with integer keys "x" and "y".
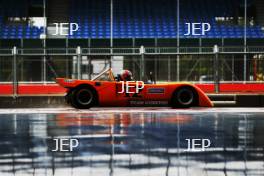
{"x": 185, "y": 97}
{"x": 84, "y": 97}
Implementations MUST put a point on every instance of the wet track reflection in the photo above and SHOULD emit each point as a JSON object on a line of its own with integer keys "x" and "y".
{"x": 145, "y": 143}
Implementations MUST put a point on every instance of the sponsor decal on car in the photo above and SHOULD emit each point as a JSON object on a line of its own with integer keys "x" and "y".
{"x": 156, "y": 90}
{"x": 136, "y": 103}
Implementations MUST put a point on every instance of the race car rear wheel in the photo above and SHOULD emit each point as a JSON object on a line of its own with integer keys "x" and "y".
{"x": 83, "y": 98}
{"x": 184, "y": 97}
{"x": 68, "y": 97}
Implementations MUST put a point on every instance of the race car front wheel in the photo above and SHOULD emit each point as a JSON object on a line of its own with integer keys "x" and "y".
{"x": 184, "y": 97}
{"x": 83, "y": 98}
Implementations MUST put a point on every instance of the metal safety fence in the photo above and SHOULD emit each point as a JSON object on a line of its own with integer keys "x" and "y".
{"x": 194, "y": 64}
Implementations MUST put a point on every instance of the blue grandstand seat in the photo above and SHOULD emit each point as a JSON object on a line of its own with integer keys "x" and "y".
{"x": 136, "y": 18}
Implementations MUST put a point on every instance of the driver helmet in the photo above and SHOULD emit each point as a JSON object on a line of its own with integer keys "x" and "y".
{"x": 126, "y": 75}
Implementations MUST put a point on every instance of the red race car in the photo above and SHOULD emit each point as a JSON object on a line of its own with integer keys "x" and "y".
{"x": 106, "y": 90}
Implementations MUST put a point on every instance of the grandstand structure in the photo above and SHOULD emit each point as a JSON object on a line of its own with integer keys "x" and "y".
{"x": 141, "y": 35}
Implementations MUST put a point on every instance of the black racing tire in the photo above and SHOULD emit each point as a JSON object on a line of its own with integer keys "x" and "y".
{"x": 69, "y": 100}
{"x": 83, "y": 98}
{"x": 184, "y": 97}
{"x": 68, "y": 97}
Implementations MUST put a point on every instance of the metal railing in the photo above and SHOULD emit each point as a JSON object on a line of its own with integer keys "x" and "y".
{"x": 135, "y": 51}
{"x": 187, "y": 63}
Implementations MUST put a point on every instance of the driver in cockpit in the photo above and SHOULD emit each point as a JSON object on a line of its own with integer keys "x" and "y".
{"x": 125, "y": 75}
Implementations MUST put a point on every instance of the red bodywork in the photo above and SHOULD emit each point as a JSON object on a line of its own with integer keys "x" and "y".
{"x": 151, "y": 94}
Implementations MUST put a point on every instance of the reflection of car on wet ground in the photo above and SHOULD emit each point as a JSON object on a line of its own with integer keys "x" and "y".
{"x": 105, "y": 90}
{"x": 123, "y": 119}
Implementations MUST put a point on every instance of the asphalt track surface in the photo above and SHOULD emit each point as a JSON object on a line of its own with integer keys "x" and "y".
{"x": 132, "y": 141}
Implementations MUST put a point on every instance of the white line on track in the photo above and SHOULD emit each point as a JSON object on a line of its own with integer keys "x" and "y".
{"x": 130, "y": 110}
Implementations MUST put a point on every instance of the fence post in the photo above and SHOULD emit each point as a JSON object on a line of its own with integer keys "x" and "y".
{"x": 142, "y": 63}
{"x": 216, "y": 68}
{"x": 15, "y": 82}
{"x": 89, "y": 60}
{"x": 79, "y": 57}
